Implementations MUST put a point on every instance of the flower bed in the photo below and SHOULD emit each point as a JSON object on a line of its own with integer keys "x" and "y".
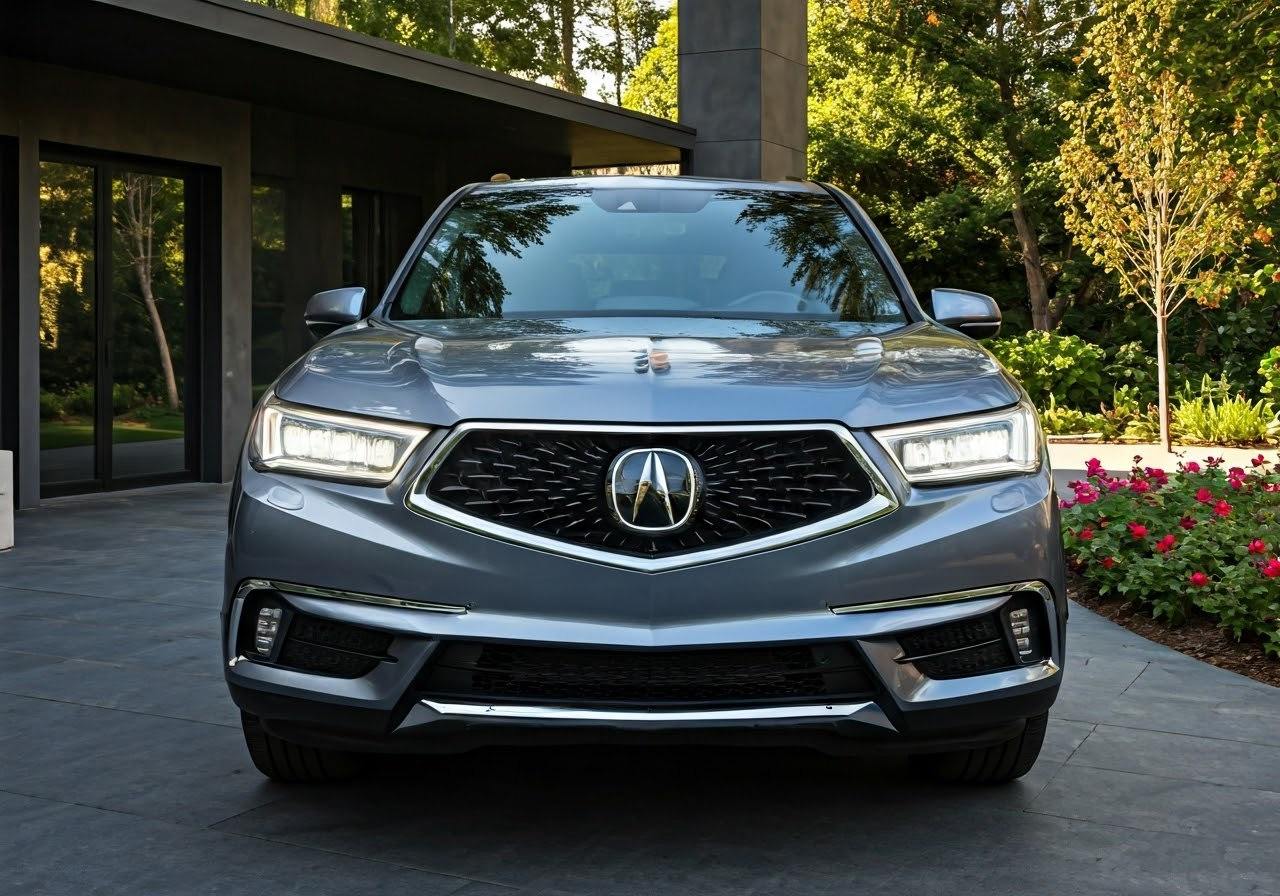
{"x": 1201, "y": 540}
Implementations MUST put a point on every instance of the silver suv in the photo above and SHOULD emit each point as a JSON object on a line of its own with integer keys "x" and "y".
{"x": 658, "y": 459}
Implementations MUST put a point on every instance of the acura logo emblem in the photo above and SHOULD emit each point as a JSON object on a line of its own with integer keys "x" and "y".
{"x": 653, "y": 490}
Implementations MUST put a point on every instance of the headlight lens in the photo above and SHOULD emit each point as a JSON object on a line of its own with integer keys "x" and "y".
{"x": 333, "y": 446}
{"x": 966, "y": 448}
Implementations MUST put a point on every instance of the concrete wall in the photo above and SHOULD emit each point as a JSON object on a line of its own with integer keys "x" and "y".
{"x": 743, "y": 86}
{"x": 42, "y": 104}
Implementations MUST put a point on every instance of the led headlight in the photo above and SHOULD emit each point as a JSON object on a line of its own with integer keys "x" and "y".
{"x": 295, "y": 439}
{"x": 967, "y": 447}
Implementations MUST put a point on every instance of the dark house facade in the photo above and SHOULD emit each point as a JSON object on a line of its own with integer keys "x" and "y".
{"x": 177, "y": 177}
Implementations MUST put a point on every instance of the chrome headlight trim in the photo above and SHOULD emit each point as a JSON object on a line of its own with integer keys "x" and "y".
{"x": 880, "y": 503}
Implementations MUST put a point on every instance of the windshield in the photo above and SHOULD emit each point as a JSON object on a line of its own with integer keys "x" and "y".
{"x": 574, "y": 251}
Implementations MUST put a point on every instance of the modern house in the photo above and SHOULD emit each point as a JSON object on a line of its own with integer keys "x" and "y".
{"x": 177, "y": 177}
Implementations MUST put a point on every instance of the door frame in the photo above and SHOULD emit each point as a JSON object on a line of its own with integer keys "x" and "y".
{"x": 201, "y": 262}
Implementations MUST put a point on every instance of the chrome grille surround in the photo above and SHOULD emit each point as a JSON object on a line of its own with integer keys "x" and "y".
{"x": 879, "y": 502}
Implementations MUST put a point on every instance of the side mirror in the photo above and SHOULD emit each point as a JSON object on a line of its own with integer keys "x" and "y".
{"x": 334, "y": 308}
{"x": 972, "y": 313}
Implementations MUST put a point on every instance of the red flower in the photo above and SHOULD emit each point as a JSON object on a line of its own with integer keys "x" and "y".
{"x": 1257, "y": 547}
{"x": 1139, "y": 486}
{"x": 1212, "y": 462}
{"x": 1165, "y": 545}
{"x": 1222, "y": 508}
{"x": 1191, "y": 467}
{"x": 1094, "y": 468}
{"x": 1199, "y": 579}
{"x": 1137, "y": 530}
{"x": 1108, "y": 562}
{"x": 1259, "y": 461}
{"x": 1187, "y": 522}
{"x": 1157, "y": 475}
{"x": 1271, "y": 487}
{"x": 1272, "y": 569}
{"x": 1204, "y": 496}
{"x": 1086, "y": 534}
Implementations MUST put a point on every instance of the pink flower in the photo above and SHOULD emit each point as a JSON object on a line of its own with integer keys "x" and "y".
{"x": 1066, "y": 505}
{"x": 1187, "y": 522}
{"x": 1271, "y": 487}
{"x": 1259, "y": 461}
{"x": 1108, "y": 562}
{"x": 1199, "y": 579}
{"x": 1191, "y": 467}
{"x": 1165, "y": 545}
{"x": 1137, "y": 530}
{"x": 1094, "y": 468}
{"x": 1236, "y": 477}
{"x": 1272, "y": 569}
{"x": 1139, "y": 486}
{"x": 1222, "y": 508}
{"x": 1257, "y": 547}
{"x": 1086, "y": 534}
{"x": 1204, "y": 496}
{"x": 1212, "y": 462}
{"x": 1114, "y": 485}
{"x": 1157, "y": 475}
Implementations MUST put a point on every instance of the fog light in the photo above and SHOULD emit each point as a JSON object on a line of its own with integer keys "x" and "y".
{"x": 1020, "y": 625}
{"x": 264, "y": 638}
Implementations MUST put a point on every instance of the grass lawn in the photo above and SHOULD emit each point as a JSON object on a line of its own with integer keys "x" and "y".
{"x": 158, "y": 424}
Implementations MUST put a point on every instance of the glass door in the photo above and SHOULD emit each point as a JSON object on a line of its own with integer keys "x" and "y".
{"x": 116, "y": 327}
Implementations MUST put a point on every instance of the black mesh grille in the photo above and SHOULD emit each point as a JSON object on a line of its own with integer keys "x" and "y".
{"x": 504, "y": 673}
{"x": 553, "y": 484}
{"x": 324, "y": 647}
{"x": 958, "y": 649}
{"x": 972, "y": 661}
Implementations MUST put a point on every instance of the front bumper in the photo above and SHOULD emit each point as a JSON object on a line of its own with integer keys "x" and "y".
{"x": 945, "y": 556}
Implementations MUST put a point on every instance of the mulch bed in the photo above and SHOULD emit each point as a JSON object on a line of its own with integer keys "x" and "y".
{"x": 1198, "y": 636}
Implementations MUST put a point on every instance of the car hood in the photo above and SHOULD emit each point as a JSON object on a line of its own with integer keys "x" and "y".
{"x": 649, "y": 370}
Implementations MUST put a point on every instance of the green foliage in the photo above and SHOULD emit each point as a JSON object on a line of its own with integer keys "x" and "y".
{"x": 1269, "y": 370}
{"x": 1215, "y": 416}
{"x": 940, "y": 118}
{"x": 1063, "y": 369}
{"x": 79, "y": 401}
{"x": 654, "y": 85}
{"x": 1200, "y": 540}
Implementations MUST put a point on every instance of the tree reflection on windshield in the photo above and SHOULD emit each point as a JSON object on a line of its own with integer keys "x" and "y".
{"x": 553, "y": 252}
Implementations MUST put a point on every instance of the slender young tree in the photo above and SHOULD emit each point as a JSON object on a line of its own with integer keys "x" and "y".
{"x": 1150, "y": 196}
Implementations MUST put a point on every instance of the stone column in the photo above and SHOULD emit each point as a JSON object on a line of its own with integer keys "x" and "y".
{"x": 743, "y": 86}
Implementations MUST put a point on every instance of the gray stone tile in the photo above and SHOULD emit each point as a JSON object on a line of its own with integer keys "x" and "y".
{"x": 1200, "y": 759}
{"x": 57, "y": 849}
{"x": 186, "y": 772}
{"x": 131, "y": 688}
{"x": 123, "y": 644}
{"x": 1172, "y": 805}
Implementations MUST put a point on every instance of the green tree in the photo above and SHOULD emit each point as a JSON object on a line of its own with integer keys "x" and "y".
{"x": 973, "y": 86}
{"x": 1151, "y": 195}
{"x": 622, "y": 33}
{"x": 654, "y": 84}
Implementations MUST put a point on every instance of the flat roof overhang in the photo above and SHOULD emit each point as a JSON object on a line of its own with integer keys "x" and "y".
{"x": 247, "y": 52}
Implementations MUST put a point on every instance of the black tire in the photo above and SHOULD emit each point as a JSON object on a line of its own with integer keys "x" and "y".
{"x": 999, "y": 764}
{"x": 292, "y": 763}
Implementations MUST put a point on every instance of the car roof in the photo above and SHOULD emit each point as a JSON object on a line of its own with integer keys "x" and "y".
{"x": 654, "y": 182}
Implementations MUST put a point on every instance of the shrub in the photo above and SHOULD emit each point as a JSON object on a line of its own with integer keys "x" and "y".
{"x": 1269, "y": 370}
{"x": 78, "y": 401}
{"x": 1216, "y": 417}
{"x": 1201, "y": 539}
{"x": 51, "y": 406}
{"x": 1066, "y": 369}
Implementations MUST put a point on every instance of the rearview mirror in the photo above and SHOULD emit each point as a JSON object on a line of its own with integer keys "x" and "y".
{"x": 972, "y": 313}
{"x": 334, "y": 308}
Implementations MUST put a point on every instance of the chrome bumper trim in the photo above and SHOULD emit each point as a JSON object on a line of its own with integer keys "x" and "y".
{"x": 249, "y": 585}
{"x": 931, "y": 599}
{"x": 868, "y": 713}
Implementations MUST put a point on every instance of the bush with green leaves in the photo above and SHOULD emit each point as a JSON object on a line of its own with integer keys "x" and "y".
{"x": 1214, "y": 416}
{"x": 1269, "y": 370}
{"x": 1200, "y": 540}
{"x": 1051, "y": 366}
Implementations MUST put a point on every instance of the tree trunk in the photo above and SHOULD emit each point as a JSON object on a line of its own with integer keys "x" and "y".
{"x": 1037, "y": 285}
{"x": 139, "y": 194}
{"x": 568, "y": 75}
{"x": 1162, "y": 368}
